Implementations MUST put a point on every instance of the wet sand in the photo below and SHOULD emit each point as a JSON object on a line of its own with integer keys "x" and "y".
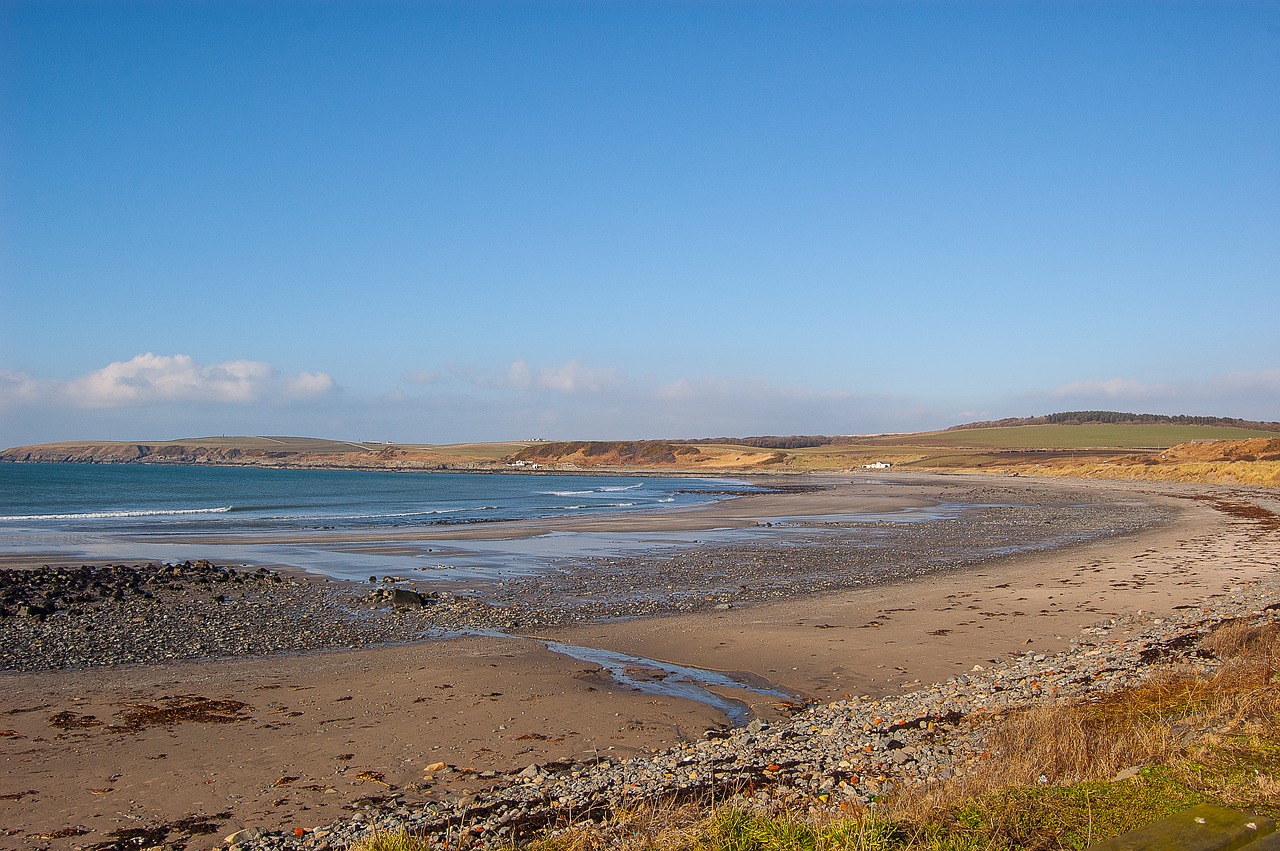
{"x": 301, "y": 738}
{"x": 806, "y": 496}
{"x": 925, "y": 629}
{"x": 295, "y": 740}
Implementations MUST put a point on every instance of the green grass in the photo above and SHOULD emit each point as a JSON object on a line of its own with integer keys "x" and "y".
{"x": 475, "y": 451}
{"x": 1072, "y": 816}
{"x": 1087, "y": 436}
{"x": 281, "y": 444}
{"x": 1034, "y": 818}
{"x": 1044, "y": 786}
{"x": 396, "y": 840}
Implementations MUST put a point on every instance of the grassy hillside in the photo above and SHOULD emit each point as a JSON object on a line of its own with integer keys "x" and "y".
{"x": 1162, "y": 451}
{"x": 271, "y": 452}
{"x": 289, "y": 444}
{"x": 1083, "y": 436}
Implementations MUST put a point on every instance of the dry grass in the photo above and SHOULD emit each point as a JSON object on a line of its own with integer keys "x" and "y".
{"x": 1059, "y": 450}
{"x": 1077, "y": 436}
{"x": 1048, "y": 782}
{"x": 1214, "y": 738}
{"x": 647, "y": 826}
{"x": 1265, "y": 473}
{"x": 396, "y": 840}
{"x": 1152, "y": 723}
{"x": 1245, "y": 644}
{"x": 704, "y": 827}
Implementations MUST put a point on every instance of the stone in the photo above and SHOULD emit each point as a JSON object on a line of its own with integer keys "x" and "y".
{"x": 249, "y": 834}
{"x": 403, "y": 598}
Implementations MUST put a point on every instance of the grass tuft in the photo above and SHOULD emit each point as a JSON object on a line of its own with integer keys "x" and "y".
{"x": 1054, "y": 779}
{"x": 395, "y": 840}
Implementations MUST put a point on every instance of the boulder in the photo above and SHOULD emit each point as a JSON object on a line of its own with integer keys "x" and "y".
{"x": 403, "y": 598}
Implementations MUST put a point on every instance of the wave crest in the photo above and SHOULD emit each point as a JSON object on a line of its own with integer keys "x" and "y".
{"x": 102, "y": 515}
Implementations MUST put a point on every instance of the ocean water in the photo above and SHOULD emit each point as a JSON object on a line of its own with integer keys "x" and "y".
{"x": 211, "y": 499}
{"x": 124, "y": 511}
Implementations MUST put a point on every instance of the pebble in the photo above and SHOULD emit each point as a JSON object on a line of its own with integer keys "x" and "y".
{"x": 854, "y": 750}
{"x": 91, "y": 615}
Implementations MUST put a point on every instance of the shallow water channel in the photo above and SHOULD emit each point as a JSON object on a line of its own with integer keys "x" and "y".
{"x": 651, "y": 676}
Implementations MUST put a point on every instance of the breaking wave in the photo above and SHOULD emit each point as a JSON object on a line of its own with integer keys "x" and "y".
{"x": 101, "y": 515}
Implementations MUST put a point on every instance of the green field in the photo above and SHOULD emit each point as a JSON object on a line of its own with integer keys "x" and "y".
{"x": 282, "y": 444}
{"x": 1085, "y": 436}
{"x": 321, "y": 446}
{"x": 996, "y": 447}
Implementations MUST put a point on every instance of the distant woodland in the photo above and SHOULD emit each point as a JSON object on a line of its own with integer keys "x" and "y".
{"x": 1119, "y": 418}
{"x": 798, "y": 441}
{"x": 804, "y": 441}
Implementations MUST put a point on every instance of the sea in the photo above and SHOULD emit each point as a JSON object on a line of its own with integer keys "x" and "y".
{"x": 97, "y": 512}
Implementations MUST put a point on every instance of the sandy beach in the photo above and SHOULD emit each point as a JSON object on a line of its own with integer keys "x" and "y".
{"x": 296, "y": 740}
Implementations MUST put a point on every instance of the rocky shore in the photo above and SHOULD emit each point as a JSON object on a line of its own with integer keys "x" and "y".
{"x": 813, "y": 556}
{"x": 90, "y": 615}
{"x": 63, "y": 619}
{"x": 847, "y": 751}
{"x": 56, "y": 617}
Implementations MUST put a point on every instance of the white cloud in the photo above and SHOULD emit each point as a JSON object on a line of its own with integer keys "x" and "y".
{"x": 309, "y": 385}
{"x": 685, "y": 389}
{"x": 572, "y": 377}
{"x": 17, "y": 389}
{"x": 709, "y": 388}
{"x": 150, "y": 378}
{"x": 1253, "y": 394}
{"x": 162, "y": 396}
{"x": 718, "y": 406}
{"x": 569, "y": 378}
{"x": 1265, "y": 382}
{"x": 1113, "y": 388}
{"x": 422, "y": 376}
{"x": 576, "y": 401}
{"x": 177, "y": 378}
{"x": 520, "y": 374}
{"x": 154, "y": 396}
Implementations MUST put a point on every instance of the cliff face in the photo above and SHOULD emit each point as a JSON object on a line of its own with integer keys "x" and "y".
{"x": 581, "y": 456}
{"x": 180, "y": 453}
{"x": 86, "y": 453}
{"x": 312, "y": 454}
{"x": 644, "y": 454}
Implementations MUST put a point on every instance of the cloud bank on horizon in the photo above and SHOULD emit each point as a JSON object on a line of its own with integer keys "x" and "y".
{"x": 568, "y": 401}
{"x": 438, "y": 222}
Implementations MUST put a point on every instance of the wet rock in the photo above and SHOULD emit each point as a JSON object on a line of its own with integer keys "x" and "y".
{"x": 403, "y": 598}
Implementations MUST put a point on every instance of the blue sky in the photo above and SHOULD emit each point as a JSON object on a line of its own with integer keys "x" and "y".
{"x": 438, "y": 222}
